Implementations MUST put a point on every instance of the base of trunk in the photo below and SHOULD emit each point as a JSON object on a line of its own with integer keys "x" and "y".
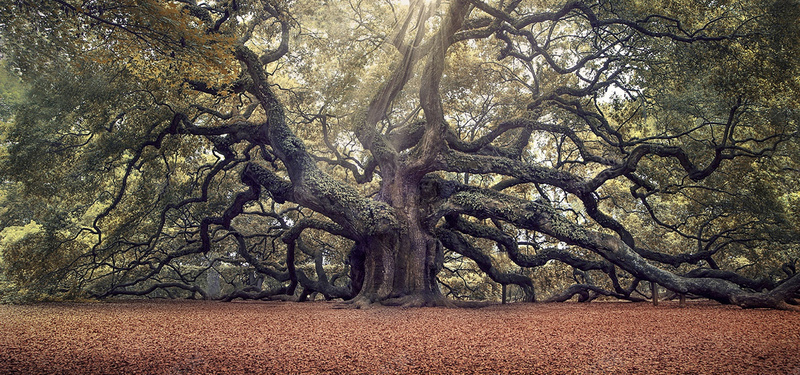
{"x": 397, "y": 269}
{"x": 407, "y": 301}
{"x": 424, "y": 299}
{"x": 419, "y": 300}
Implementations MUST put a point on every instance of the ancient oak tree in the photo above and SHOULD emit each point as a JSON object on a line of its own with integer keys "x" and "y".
{"x": 401, "y": 152}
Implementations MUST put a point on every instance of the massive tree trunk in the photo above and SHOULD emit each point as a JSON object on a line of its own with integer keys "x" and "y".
{"x": 400, "y": 266}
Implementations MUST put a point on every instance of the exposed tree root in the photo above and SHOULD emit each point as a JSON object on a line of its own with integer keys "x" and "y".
{"x": 419, "y": 300}
{"x": 359, "y": 302}
{"x": 408, "y": 301}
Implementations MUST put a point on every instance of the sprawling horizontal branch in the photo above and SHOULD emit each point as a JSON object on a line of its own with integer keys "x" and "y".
{"x": 260, "y": 266}
{"x": 154, "y": 287}
{"x": 484, "y": 164}
{"x": 744, "y": 282}
{"x": 583, "y": 291}
{"x": 252, "y": 293}
{"x": 678, "y": 33}
{"x": 542, "y": 256}
{"x": 490, "y": 204}
{"x": 456, "y": 242}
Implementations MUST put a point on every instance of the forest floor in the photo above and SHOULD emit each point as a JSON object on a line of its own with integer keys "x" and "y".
{"x": 191, "y": 337}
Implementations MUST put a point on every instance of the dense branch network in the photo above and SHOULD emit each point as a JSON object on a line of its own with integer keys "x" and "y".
{"x": 349, "y": 213}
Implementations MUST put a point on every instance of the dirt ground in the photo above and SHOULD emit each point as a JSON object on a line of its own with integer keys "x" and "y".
{"x": 192, "y": 337}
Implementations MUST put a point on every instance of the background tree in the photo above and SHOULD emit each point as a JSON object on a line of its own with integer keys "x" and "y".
{"x": 398, "y": 152}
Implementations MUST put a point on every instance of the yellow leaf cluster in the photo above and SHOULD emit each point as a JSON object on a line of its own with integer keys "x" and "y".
{"x": 13, "y": 234}
{"x": 159, "y": 43}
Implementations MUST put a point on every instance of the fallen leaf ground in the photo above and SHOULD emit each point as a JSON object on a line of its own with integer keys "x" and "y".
{"x": 191, "y": 337}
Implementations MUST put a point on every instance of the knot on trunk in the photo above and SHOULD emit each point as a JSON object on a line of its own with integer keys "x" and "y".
{"x": 433, "y": 188}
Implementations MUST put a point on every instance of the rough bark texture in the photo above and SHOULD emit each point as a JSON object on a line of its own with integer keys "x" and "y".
{"x": 275, "y": 337}
{"x": 400, "y": 267}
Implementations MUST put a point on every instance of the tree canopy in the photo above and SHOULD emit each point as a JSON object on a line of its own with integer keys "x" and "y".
{"x": 402, "y": 152}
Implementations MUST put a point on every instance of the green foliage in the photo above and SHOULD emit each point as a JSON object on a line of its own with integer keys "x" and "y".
{"x": 11, "y": 91}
